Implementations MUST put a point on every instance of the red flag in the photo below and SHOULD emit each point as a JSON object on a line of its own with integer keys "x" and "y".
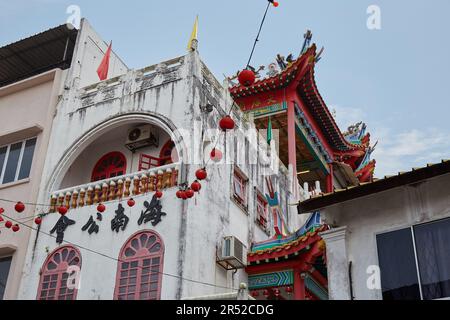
{"x": 102, "y": 70}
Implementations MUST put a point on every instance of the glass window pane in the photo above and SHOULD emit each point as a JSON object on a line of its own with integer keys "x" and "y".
{"x": 27, "y": 159}
{"x": 5, "y": 264}
{"x": 398, "y": 266}
{"x": 433, "y": 255}
{"x": 2, "y": 157}
{"x": 12, "y": 162}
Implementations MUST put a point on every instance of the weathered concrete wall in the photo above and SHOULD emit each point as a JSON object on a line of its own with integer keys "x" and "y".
{"x": 383, "y": 212}
{"x": 88, "y": 54}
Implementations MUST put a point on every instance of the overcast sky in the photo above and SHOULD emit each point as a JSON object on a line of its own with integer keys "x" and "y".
{"x": 395, "y": 79}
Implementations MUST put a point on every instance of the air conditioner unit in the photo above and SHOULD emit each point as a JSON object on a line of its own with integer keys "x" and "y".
{"x": 141, "y": 137}
{"x": 232, "y": 254}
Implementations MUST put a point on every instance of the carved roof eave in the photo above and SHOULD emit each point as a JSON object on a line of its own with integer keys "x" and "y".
{"x": 297, "y": 74}
{"x": 335, "y": 136}
{"x": 282, "y": 80}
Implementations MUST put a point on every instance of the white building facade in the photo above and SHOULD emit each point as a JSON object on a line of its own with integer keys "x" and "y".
{"x": 390, "y": 238}
{"x": 163, "y": 248}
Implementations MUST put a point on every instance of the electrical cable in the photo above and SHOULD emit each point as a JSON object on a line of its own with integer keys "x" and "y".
{"x": 119, "y": 260}
{"x": 259, "y": 32}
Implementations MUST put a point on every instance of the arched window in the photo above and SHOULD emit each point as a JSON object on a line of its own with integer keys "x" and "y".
{"x": 110, "y": 165}
{"x": 139, "y": 271}
{"x": 165, "y": 156}
{"x": 54, "y": 274}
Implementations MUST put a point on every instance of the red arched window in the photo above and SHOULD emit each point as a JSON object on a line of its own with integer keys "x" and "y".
{"x": 139, "y": 271}
{"x": 165, "y": 156}
{"x": 54, "y": 274}
{"x": 110, "y": 165}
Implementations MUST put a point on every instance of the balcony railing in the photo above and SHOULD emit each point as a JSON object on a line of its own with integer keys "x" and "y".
{"x": 133, "y": 184}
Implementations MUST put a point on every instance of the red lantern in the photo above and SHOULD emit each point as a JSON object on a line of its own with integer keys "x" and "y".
{"x": 62, "y": 210}
{"x": 19, "y": 207}
{"x": 275, "y": 4}
{"x": 255, "y": 293}
{"x": 190, "y": 193}
{"x": 216, "y": 155}
{"x": 131, "y": 202}
{"x": 158, "y": 194}
{"x": 289, "y": 290}
{"x": 266, "y": 293}
{"x": 38, "y": 220}
{"x": 196, "y": 186}
{"x": 277, "y": 292}
{"x": 226, "y": 123}
{"x": 201, "y": 174}
{"x": 101, "y": 208}
{"x": 179, "y": 194}
{"x": 1, "y": 219}
{"x": 15, "y": 228}
{"x": 183, "y": 195}
{"x": 8, "y": 224}
{"x": 2, "y": 210}
{"x": 246, "y": 77}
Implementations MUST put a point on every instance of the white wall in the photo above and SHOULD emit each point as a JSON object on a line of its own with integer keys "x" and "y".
{"x": 89, "y": 52}
{"x": 383, "y": 212}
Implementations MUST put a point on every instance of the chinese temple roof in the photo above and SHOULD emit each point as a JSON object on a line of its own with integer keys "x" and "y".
{"x": 274, "y": 249}
{"x": 300, "y": 73}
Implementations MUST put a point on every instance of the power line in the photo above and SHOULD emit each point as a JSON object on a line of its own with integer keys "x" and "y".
{"x": 27, "y": 203}
{"x": 257, "y": 36}
{"x": 119, "y": 260}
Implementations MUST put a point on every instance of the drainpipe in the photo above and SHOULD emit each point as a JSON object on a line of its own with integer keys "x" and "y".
{"x": 350, "y": 280}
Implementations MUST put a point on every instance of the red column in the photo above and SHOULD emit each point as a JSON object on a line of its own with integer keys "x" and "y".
{"x": 291, "y": 137}
{"x": 299, "y": 286}
{"x": 330, "y": 179}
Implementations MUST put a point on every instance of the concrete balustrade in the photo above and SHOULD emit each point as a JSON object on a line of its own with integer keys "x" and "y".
{"x": 136, "y": 183}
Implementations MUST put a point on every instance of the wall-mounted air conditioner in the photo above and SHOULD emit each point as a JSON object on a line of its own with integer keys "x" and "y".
{"x": 232, "y": 254}
{"x": 141, "y": 137}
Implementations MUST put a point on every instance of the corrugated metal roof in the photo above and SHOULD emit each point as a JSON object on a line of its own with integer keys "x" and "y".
{"x": 39, "y": 53}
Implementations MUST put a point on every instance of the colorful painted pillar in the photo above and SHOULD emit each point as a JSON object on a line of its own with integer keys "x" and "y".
{"x": 291, "y": 137}
{"x": 299, "y": 285}
{"x": 329, "y": 181}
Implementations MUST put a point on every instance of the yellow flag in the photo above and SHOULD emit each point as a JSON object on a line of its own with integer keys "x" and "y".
{"x": 193, "y": 34}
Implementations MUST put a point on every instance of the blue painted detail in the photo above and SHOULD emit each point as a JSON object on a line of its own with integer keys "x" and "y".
{"x": 366, "y": 158}
{"x": 356, "y": 137}
{"x": 312, "y": 223}
{"x": 273, "y": 202}
{"x": 315, "y": 288}
{"x": 274, "y": 279}
{"x": 312, "y": 136}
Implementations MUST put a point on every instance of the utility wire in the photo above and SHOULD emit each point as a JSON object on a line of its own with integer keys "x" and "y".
{"x": 119, "y": 260}
{"x": 259, "y": 32}
{"x": 27, "y": 203}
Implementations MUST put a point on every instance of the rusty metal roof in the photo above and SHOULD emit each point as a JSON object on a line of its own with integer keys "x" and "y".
{"x": 37, "y": 54}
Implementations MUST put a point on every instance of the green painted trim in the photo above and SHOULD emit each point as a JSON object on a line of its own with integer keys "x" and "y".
{"x": 273, "y": 279}
{"x": 268, "y": 110}
{"x": 319, "y": 291}
{"x": 304, "y": 136}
